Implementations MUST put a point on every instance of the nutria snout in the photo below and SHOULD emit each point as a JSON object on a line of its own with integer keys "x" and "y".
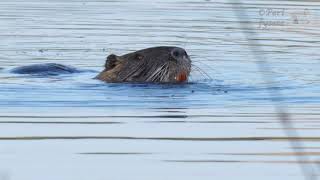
{"x": 162, "y": 64}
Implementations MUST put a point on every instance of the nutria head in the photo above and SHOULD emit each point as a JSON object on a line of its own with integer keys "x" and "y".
{"x": 158, "y": 64}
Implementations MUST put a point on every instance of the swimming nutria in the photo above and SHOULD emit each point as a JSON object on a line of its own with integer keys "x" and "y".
{"x": 162, "y": 64}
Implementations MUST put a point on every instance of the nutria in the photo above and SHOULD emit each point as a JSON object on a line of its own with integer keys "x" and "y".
{"x": 162, "y": 64}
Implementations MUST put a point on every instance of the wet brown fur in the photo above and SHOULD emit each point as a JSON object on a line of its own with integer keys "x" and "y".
{"x": 158, "y": 64}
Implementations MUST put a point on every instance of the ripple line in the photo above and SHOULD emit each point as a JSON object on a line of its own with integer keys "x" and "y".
{"x": 162, "y": 138}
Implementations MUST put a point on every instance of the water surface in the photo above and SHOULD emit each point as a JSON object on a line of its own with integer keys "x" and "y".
{"x": 223, "y": 126}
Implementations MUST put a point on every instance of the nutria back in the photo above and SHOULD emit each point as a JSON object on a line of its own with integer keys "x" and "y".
{"x": 45, "y": 69}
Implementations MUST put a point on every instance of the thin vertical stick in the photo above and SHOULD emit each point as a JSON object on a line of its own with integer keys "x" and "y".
{"x": 275, "y": 94}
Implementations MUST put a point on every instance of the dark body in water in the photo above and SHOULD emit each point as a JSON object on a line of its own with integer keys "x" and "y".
{"x": 162, "y": 64}
{"x": 45, "y": 69}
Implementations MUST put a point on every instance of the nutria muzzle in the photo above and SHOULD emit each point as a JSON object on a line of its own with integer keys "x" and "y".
{"x": 158, "y": 65}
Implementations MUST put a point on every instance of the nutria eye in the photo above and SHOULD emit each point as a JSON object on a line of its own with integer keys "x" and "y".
{"x": 176, "y": 53}
{"x": 139, "y": 57}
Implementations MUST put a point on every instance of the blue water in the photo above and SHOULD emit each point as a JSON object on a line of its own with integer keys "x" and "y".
{"x": 221, "y": 124}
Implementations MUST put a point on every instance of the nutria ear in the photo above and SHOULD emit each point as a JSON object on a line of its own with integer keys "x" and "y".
{"x": 111, "y": 61}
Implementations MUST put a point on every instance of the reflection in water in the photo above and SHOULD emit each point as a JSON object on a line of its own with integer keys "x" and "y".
{"x": 237, "y": 161}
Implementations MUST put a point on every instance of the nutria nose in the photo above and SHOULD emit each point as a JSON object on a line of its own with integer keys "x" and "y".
{"x": 178, "y": 53}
